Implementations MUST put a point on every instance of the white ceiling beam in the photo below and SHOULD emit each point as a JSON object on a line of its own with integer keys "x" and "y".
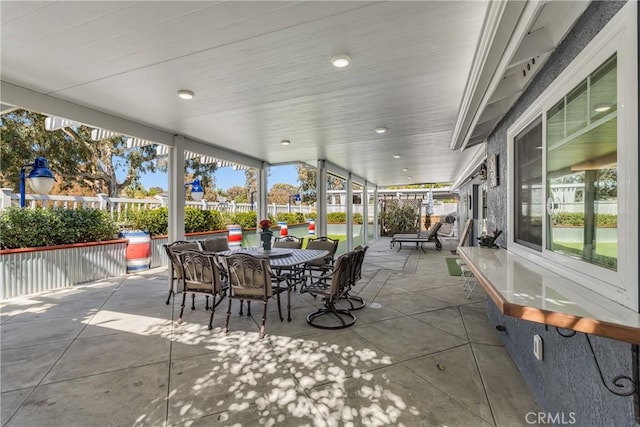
{"x": 222, "y": 153}
{"x": 45, "y": 104}
{"x": 343, "y": 173}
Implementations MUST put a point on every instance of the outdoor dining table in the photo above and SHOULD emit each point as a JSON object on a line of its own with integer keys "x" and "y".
{"x": 281, "y": 257}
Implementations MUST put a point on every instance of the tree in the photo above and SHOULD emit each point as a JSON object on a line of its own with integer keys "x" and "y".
{"x": 238, "y": 194}
{"x": 76, "y": 159}
{"x": 280, "y": 192}
{"x": 307, "y": 179}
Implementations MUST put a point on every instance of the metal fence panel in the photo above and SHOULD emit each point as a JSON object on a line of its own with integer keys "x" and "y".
{"x": 32, "y": 272}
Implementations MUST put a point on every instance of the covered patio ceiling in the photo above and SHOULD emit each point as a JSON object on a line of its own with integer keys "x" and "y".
{"x": 261, "y": 73}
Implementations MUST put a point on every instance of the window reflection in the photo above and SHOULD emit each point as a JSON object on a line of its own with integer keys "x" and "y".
{"x": 582, "y": 170}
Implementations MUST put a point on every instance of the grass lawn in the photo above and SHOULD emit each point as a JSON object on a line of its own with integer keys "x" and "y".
{"x": 605, "y": 249}
{"x": 342, "y": 246}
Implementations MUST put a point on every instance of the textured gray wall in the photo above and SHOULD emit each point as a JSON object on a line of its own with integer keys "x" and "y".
{"x": 567, "y": 380}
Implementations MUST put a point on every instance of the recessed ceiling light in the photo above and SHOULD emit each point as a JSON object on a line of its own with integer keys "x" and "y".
{"x": 340, "y": 61}
{"x": 285, "y": 142}
{"x": 380, "y": 129}
{"x": 409, "y": 177}
{"x": 539, "y": 147}
{"x": 601, "y": 108}
{"x": 396, "y": 156}
{"x": 185, "y": 94}
{"x": 405, "y": 169}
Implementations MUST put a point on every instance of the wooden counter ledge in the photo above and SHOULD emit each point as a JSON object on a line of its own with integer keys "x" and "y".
{"x": 528, "y": 291}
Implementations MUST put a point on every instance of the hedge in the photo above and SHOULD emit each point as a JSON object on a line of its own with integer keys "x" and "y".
{"x": 576, "y": 219}
{"x": 29, "y": 228}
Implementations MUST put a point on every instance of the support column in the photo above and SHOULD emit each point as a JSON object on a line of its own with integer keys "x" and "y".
{"x": 349, "y": 206}
{"x": 321, "y": 198}
{"x": 261, "y": 188}
{"x": 365, "y": 213}
{"x": 376, "y": 207}
{"x": 176, "y": 189}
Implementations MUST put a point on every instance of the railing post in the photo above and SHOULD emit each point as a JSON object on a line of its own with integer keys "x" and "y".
{"x": 5, "y": 197}
{"x": 103, "y": 201}
{"x": 205, "y": 205}
{"x": 162, "y": 200}
{"x": 233, "y": 206}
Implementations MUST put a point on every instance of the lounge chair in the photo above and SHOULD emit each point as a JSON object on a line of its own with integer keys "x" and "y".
{"x": 419, "y": 238}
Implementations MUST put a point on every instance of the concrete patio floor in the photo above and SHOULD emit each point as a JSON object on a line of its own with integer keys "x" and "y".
{"x": 111, "y": 353}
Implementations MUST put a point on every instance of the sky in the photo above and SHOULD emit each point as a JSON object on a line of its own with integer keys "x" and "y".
{"x": 227, "y": 177}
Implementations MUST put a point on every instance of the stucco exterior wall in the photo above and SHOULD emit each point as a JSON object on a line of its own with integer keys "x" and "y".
{"x": 567, "y": 381}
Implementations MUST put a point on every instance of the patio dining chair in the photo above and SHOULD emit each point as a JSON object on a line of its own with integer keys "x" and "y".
{"x": 293, "y": 275}
{"x": 175, "y": 268}
{"x": 250, "y": 280}
{"x": 323, "y": 265}
{"x": 355, "y": 274}
{"x": 215, "y": 244}
{"x": 331, "y": 288}
{"x": 200, "y": 275}
{"x": 291, "y": 242}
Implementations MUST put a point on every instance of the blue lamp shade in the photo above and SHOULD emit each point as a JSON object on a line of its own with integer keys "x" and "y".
{"x": 41, "y": 179}
{"x": 196, "y": 190}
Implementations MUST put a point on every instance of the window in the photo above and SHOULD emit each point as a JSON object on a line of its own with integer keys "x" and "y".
{"x": 573, "y": 168}
{"x": 582, "y": 180}
{"x": 528, "y": 189}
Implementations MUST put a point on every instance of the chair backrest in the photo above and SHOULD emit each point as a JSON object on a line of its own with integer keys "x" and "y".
{"x": 356, "y": 271}
{"x": 215, "y": 244}
{"x": 433, "y": 231}
{"x": 464, "y": 237}
{"x": 249, "y": 276}
{"x": 341, "y": 275}
{"x": 324, "y": 244}
{"x": 291, "y": 242}
{"x": 172, "y": 250}
{"x": 200, "y": 271}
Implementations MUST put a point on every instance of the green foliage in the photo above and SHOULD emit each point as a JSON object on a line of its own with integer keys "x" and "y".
{"x": 290, "y": 217}
{"x": 195, "y": 220}
{"x": 245, "y": 219}
{"x": 313, "y": 216}
{"x": 27, "y": 228}
{"x": 576, "y": 219}
{"x": 155, "y": 221}
{"x": 357, "y": 218}
{"x": 400, "y": 218}
{"x": 337, "y": 217}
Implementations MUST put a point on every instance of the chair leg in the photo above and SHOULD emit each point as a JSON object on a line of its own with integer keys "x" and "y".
{"x": 288, "y": 304}
{"x": 241, "y": 307}
{"x": 184, "y": 298}
{"x": 264, "y": 320}
{"x": 226, "y": 325}
{"x": 213, "y": 310}
{"x": 193, "y": 301}
{"x": 248, "y": 308}
{"x": 206, "y": 304}
{"x": 169, "y": 296}
{"x": 279, "y": 310}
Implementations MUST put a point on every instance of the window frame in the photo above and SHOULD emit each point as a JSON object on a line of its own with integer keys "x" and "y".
{"x": 619, "y": 37}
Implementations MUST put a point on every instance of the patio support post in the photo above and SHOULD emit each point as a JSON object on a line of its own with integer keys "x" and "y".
{"x": 321, "y": 198}
{"x": 365, "y": 213}
{"x": 177, "y": 192}
{"x": 349, "y": 206}
{"x": 261, "y": 187}
{"x": 376, "y": 228}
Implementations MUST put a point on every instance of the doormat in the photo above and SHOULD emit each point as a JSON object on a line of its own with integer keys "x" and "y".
{"x": 454, "y": 269}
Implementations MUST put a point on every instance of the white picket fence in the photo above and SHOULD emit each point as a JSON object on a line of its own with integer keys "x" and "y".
{"x": 117, "y": 206}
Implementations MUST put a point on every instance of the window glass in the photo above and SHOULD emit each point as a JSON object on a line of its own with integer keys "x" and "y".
{"x": 582, "y": 170}
{"x": 529, "y": 191}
